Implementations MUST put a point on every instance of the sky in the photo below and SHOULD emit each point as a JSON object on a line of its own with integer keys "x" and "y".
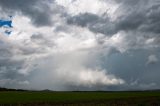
{"x": 80, "y": 44}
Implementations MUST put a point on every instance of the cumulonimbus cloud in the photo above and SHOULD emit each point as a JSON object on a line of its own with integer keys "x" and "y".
{"x": 60, "y": 45}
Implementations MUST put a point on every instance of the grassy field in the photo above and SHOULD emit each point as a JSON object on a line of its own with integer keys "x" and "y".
{"x": 28, "y": 98}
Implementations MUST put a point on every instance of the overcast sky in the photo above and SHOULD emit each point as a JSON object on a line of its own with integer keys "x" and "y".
{"x": 81, "y": 44}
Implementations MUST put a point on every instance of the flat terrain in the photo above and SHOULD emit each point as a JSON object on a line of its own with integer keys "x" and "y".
{"x": 29, "y": 98}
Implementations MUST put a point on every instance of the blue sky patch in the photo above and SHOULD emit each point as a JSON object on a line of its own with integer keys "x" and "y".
{"x": 5, "y": 23}
{"x": 5, "y": 26}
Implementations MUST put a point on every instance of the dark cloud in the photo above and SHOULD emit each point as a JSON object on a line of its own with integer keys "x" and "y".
{"x": 9, "y": 69}
{"x": 83, "y": 19}
{"x": 124, "y": 49}
{"x": 141, "y": 14}
{"x": 129, "y": 22}
{"x": 140, "y": 22}
{"x": 38, "y": 10}
{"x": 134, "y": 15}
{"x": 93, "y": 22}
{"x": 135, "y": 66}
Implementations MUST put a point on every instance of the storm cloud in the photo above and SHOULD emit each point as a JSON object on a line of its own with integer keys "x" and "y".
{"x": 36, "y": 10}
{"x": 68, "y": 45}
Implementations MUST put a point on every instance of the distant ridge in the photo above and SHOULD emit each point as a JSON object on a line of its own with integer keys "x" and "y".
{"x": 47, "y": 90}
{"x": 8, "y": 89}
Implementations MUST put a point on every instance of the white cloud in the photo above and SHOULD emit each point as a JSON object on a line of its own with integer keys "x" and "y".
{"x": 58, "y": 55}
{"x": 93, "y": 77}
{"x": 67, "y": 58}
{"x": 98, "y": 7}
{"x": 117, "y": 41}
{"x": 76, "y": 68}
{"x": 152, "y": 59}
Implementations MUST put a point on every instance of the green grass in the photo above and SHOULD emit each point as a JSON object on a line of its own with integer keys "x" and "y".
{"x": 14, "y": 97}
